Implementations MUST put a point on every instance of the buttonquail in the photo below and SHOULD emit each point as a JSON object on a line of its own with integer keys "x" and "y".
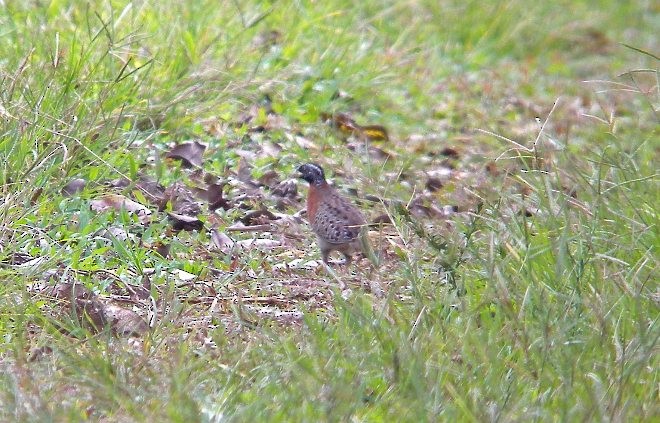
{"x": 338, "y": 224}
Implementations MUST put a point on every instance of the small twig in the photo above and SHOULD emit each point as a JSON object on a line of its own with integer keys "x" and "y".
{"x": 260, "y": 300}
{"x": 252, "y": 228}
{"x": 334, "y": 275}
{"x": 414, "y": 326}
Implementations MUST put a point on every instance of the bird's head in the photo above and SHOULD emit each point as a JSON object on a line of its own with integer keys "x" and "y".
{"x": 312, "y": 173}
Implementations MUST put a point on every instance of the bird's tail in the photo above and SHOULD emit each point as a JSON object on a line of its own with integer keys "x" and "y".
{"x": 366, "y": 247}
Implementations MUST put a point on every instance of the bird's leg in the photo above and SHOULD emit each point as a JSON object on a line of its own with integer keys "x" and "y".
{"x": 348, "y": 260}
{"x": 325, "y": 254}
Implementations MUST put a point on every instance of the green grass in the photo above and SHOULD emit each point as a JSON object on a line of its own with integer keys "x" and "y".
{"x": 538, "y": 301}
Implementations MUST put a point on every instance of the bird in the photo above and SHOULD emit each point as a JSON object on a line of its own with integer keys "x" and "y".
{"x": 337, "y": 223}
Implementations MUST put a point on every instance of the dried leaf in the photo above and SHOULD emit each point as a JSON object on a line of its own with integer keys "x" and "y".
{"x": 116, "y": 232}
{"x": 270, "y": 178}
{"x": 222, "y": 241}
{"x": 374, "y": 133}
{"x": 433, "y": 184}
{"x": 423, "y": 206}
{"x": 287, "y": 188}
{"x": 442, "y": 174}
{"x": 213, "y": 195}
{"x": 492, "y": 169}
{"x": 35, "y": 195}
{"x": 525, "y": 212}
{"x": 160, "y": 247}
{"x": 154, "y": 192}
{"x": 124, "y": 322}
{"x": 258, "y": 243}
{"x": 379, "y": 154}
{"x": 244, "y": 173}
{"x": 69, "y": 291}
{"x": 79, "y": 304}
{"x": 190, "y": 153}
{"x": 182, "y": 199}
{"x": 183, "y": 276}
{"x": 267, "y": 38}
{"x": 345, "y": 124}
{"x": 182, "y": 222}
{"x": 342, "y": 122}
{"x": 381, "y": 219}
{"x": 302, "y": 141}
{"x": 90, "y": 313}
{"x": 570, "y": 191}
{"x": 258, "y": 217}
{"x": 376, "y": 199}
{"x": 262, "y": 108}
{"x": 33, "y": 265}
{"x": 343, "y": 95}
{"x": 283, "y": 204}
{"x": 118, "y": 183}
{"x": 219, "y": 203}
{"x": 38, "y": 353}
{"x": 449, "y": 152}
{"x": 448, "y": 210}
{"x": 270, "y": 149}
{"x": 119, "y": 202}
{"x": 73, "y": 187}
{"x": 276, "y": 122}
{"x": 17, "y": 258}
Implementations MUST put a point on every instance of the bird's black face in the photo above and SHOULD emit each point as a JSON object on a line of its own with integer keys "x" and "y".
{"x": 312, "y": 173}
